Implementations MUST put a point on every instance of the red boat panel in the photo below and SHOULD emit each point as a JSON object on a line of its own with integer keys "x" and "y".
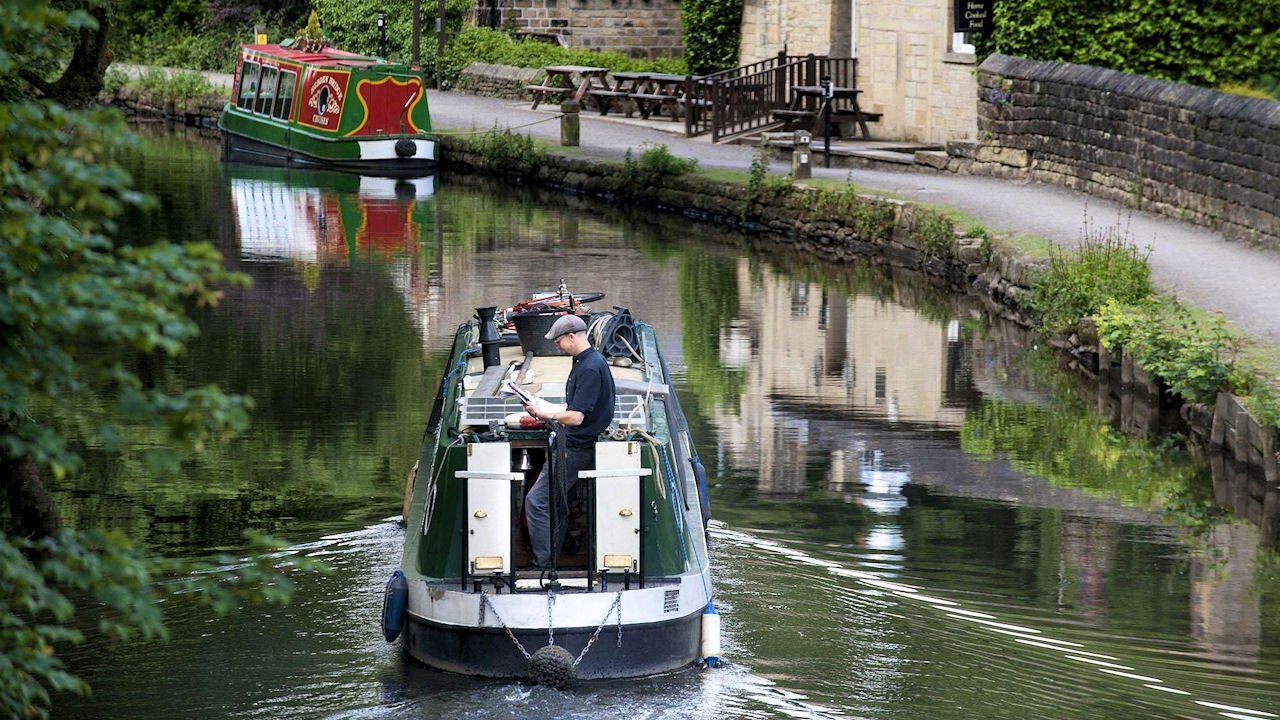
{"x": 388, "y": 105}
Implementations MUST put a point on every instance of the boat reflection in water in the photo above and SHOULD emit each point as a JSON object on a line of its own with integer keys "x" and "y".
{"x": 326, "y": 217}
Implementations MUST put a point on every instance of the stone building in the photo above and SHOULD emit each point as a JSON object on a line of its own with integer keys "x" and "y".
{"x": 912, "y": 67}
{"x": 639, "y": 28}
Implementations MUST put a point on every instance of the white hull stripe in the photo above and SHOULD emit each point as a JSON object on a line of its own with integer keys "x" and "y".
{"x": 386, "y": 150}
{"x": 568, "y": 609}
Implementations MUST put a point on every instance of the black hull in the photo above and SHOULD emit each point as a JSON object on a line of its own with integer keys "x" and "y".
{"x": 237, "y": 148}
{"x": 487, "y": 652}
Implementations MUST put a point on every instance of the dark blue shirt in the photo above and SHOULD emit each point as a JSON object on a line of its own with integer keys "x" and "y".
{"x": 590, "y": 392}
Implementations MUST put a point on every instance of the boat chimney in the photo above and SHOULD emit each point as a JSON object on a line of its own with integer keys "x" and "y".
{"x": 489, "y": 339}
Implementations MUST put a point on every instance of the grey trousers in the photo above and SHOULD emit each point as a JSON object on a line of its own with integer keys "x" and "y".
{"x": 537, "y": 505}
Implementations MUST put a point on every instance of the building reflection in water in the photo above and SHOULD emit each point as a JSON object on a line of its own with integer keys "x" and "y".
{"x": 875, "y": 394}
{"x": 808, "y": 352}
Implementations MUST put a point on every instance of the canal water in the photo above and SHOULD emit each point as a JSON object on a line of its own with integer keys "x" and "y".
{"x": 917, "y": 516}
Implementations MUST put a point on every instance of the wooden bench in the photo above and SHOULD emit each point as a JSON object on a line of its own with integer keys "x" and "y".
{"x": 540, "y": 90}
{"x": 605, "y": 98}
{"x": 791, "y": 116}
{"x": 861, "y": 117}
{"x": 658, "y": 101}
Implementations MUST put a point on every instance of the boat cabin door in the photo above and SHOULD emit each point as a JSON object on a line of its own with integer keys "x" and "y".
{"x": 489, "y": 480}
{"x": 617, "y": 506}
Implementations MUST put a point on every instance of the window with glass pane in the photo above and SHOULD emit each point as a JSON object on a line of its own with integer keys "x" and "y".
{"x": 284, "y": 98}
{"x": 248, "y": 85}
{"x": 267, "y": 95}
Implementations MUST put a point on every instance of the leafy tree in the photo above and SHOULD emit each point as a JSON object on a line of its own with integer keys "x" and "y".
{"x": 712, "y": 29}
{"x": 352, "y": 25}
{"x": 79, "y": 316}
{"x": 1204, "y": 42}
{"x": 45, "y": 68}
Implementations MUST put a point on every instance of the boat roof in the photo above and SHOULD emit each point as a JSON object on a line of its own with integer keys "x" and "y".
{"x": 325, "y": 56}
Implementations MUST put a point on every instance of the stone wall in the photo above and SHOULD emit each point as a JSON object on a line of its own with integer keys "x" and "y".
{"x": 639, "y": 28}
{"x": 502, "y": 81}
{"x": 1184, "y": 151}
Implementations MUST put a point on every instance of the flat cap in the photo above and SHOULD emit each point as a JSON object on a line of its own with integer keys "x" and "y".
{"x": 566, "y": 324}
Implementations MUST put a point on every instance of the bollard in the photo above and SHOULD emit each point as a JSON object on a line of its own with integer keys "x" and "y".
{"x": 570, "y": 123}
{"x": 801, "y": 169}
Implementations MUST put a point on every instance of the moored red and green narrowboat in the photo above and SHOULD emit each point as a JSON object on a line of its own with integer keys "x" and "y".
{"x": 328, "y": 109}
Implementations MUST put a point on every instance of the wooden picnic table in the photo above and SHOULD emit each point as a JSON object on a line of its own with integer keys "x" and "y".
{"x": 565, "y": 81}
{"x": 661, "y": 91}
{"x": 625, "y": 84}
{"x": 807, "y": 105}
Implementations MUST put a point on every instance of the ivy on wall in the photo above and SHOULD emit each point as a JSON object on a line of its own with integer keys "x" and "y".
{"x": 1202, "y": 42}
{"x": 711, "y": 32}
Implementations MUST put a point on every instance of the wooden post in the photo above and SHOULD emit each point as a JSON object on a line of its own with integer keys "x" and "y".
{"x": 417, "y": 33}
{"x": 1218, "y": 433}
{"x": 780, "y": 81}
{"x": 716, "y": 98}
{"x": 440, "y": 37}
{"x": 690, "y": 110}
{"x": 570, "y": 123}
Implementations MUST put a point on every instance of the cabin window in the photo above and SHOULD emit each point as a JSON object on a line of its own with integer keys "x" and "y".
{"x": 248, "y": 85}
{"x": 267, "y": 92}
{"x": 284, "y": 97}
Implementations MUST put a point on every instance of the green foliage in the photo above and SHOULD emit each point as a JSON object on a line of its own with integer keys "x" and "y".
{"x": 42, "y": 582}
{"x": 872, "y": 219}
{"x": 763, "y": 185}
{"x": 197, "y": 34}
{"x": 176, "y": 87}
{"x": 1071, "y": 446}
{"x": 113, "y": 81}
{"x": 709, "y": 302}
{"x": 77, "y": 314}
{"x": 937, "y": 233}
{"x": 168, "y": 46}
{"x": 1269, "y": 83}
{"x": 654, "y": 166}
{"x": 712, "y": 30}
{"x": 1203, "y": 42}
{"x": 1248, "y": 90}
{"x": 502, "y": 146}
{"x": 1079, "y": 281}
{"x": 978, "y": 230}
{"x": 1193, "y": 359}
{"x": 475, "y": 44}
{"x": 352, "y": 25}
{"x": 70, "y": 288}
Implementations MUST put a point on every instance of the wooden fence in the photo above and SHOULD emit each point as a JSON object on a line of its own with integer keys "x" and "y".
{"x": 743, "y": 99}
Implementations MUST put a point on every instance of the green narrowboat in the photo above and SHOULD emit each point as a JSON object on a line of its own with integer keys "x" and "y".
{"x": 328, "y": 109}
{"x": 630, "y": 593}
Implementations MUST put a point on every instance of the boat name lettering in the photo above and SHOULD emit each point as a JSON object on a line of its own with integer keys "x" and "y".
{"x": 325, "y": 99}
